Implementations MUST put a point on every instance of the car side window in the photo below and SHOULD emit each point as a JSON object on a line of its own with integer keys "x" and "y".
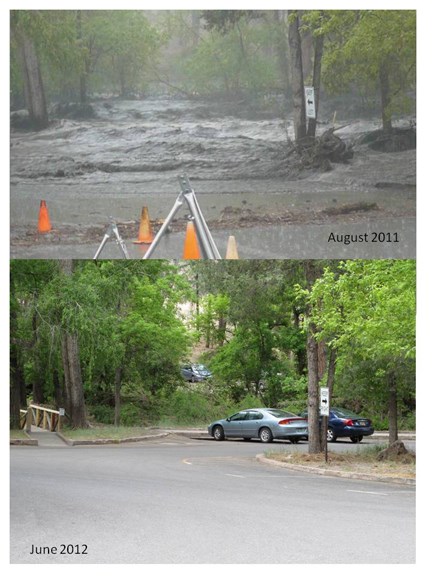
{"x": 238, "y": 416}
{"x": 254, "y": 416}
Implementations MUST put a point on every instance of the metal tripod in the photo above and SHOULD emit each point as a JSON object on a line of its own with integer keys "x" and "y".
{"x": 112, "y": 229}
{"x": 206, "y": 242}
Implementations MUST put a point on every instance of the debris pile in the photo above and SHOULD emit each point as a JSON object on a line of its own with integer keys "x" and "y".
{"x": 396, "y": 140}
{"x": 319, "y": 153}
{"x": 396, "y": 452}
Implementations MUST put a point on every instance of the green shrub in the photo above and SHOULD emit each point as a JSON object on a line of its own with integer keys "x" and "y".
{"x": 295, "y": 406}
{"x": 408, "y": 422}
{"x": 102, "y": 414}
{"x": 249, "y": 401}
{"x": 132, "y": 415}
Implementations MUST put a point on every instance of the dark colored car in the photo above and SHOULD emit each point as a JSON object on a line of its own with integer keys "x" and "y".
{"x": 195, "y": 372}
{"x": 343, "y": 423}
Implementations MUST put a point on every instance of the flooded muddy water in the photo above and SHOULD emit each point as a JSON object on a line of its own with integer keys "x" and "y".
{"x": 131, "y": 154}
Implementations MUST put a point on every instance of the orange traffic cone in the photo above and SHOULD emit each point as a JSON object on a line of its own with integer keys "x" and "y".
{"x": 145, "y": 233}
{"x": 231, "y": 253}
{"x": 44, "y": 224}
{"x": 191, "y": 249}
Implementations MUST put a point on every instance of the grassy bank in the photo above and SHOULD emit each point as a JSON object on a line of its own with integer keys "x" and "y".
{"x": 18, "y": 435}
{"x": 106, "y": 432}
{"x": 363, "y": 461}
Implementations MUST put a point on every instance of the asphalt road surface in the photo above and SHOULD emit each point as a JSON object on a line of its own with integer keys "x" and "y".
{"x": 179, "y": 500}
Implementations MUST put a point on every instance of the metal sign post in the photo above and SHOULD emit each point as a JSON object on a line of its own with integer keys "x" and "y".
{"x": 112, "y": 229}
{"x": 325, "y": 411}
{"x": 206, "y": 242}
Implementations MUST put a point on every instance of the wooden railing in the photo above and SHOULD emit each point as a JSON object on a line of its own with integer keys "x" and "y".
{"x": 42, "y": 417}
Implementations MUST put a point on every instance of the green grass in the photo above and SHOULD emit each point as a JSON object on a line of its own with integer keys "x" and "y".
{"x": 18, "y": 435}
{"x": 360, "y": 461}
{"x": 105, "y": 432}
{"x": 172, "y": 422}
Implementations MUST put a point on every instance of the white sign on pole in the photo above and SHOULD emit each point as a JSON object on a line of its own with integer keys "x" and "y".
{"x": 324, "y": 402}
{"x": 310, "y": 102}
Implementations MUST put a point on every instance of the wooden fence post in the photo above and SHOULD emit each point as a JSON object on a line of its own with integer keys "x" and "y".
{"x": 28, "y": 420}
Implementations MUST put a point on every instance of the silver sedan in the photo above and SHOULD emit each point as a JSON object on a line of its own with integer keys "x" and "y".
{"x": 263, "y": 423}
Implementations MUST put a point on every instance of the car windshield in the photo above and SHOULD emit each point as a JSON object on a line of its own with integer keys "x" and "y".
{"x": 342, "y": 413}
{"x": 200, "y": 368}
{"x": 281, "y": 413}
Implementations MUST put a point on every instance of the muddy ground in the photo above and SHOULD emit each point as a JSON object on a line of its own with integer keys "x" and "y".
{"x": 131, "y": 154}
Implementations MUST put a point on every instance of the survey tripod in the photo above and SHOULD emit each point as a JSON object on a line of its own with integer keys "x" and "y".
{"x": 112, "y": 230}
{"x": 207, "y": 245}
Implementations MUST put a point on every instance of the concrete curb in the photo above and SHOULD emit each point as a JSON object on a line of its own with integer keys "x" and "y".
{"x": 23, "y": 441}
{"x": 339, "y": 473}
{"x": 102, "y": 441}
{"x": 401, "y": 435}
{"x": 189, "y": 433}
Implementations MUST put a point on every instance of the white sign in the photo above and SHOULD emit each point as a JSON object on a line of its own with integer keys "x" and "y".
{"x": 310, "y": 102}
{"x": 324, "y": 402}
{"x": 61, "y": 411}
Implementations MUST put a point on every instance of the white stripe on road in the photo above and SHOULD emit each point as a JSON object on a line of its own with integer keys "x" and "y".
{"x": 235, "y": 475}
{"x": 366, "y": 492}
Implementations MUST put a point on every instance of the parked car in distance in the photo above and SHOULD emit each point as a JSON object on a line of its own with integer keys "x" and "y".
{"x": 263, "y": 423}
{"x": 195, "y": 372}
{"x": 343, "y": 423}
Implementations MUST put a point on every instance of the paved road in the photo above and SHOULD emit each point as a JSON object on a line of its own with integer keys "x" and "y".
{"x": 257, "y": 242}
{"x": 180, "y": 500}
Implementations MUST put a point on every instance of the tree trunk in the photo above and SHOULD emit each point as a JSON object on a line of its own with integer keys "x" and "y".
{"x": 312, "y": 271}
{"x": 195, "y": 24}
{"x": 16, "y": 384}
{"x": 83, "y": 75}
{"x": 33, "y": 86}
{"x": 86, "y": 61}
{"x": 301, "y": 360}
{"x": 17, "y": 396}
{"x": 117, "y": 388}
{"x": 67, "y": 377}
{"x": 316, "y": 82}
{"x": 71, "y": 363}
{"x": 322, "y": 359}
{"x": 83, "y": 88}
{"x": 38, "y": 388}
{"x": 331, "y": 372}
{"x": 59, "y": 396}
{"x": 392, "y": 408}
{"x": 296, "y": 73}
{"x": 313, "y": 389}
{"x": 72, "y": 369}
{"x": 282, "y": 52}
{"x": 221, "y": 330}
{"x": 123, "y": 91}
{"x": 385, "y": 99}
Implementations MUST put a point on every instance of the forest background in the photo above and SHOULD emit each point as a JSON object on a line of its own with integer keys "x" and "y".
{"x": 106, "y": 340}
{"x": 366, "y": 58}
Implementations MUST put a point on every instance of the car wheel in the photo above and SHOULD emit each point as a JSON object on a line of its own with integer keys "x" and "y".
{"x": 265, "y": 435}
{"x": 331, "y": 437}
{"x": 356, "y": 439}
{"x": 218, "y": 433}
